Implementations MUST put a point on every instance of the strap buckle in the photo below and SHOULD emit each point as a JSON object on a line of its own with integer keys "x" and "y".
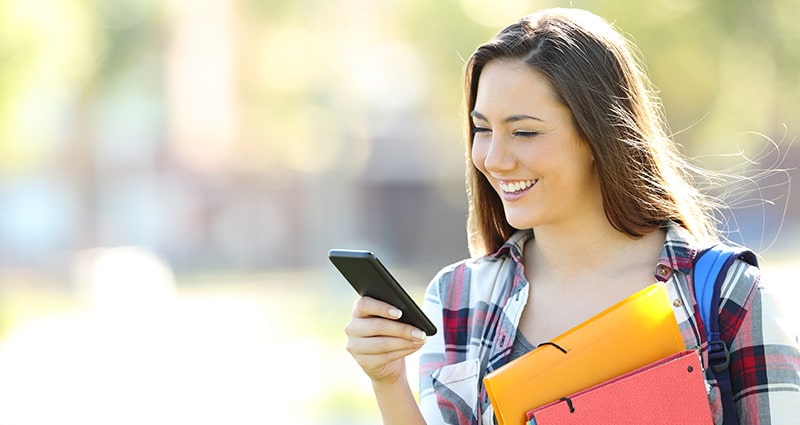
{"x": 719, "y": 357}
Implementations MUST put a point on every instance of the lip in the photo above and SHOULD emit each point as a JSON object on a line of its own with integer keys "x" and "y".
{"x": 514, "y": 189}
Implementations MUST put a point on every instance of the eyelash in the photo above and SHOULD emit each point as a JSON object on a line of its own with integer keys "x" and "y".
{"x": 523, "y": 134}
{"x": 526, "y": 134}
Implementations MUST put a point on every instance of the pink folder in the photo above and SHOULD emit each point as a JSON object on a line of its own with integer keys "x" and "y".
{"x": 669, "y": 391}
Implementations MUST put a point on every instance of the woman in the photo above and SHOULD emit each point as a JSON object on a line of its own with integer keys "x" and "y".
{"x": 577, "y": 199}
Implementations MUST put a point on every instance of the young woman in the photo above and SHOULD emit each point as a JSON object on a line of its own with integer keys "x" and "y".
{"x": 577, "y": 199}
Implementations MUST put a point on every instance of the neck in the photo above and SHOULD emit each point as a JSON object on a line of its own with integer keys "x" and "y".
{"x": 573, "y": 253}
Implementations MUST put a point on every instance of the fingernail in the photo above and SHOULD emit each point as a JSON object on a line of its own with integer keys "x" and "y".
{"x": 396, "y": 313}
{"x": 418, "y": 334}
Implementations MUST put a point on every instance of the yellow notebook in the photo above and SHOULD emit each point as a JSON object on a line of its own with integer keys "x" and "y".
{"x": 628, "y": 335}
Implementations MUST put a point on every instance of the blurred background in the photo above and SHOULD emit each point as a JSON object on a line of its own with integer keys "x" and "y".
{"x": 172, "y": 174}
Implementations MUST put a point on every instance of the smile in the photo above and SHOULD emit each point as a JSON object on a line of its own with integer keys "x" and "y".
{"x": 517, "y": 186}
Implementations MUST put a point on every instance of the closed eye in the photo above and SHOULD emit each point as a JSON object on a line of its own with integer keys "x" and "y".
{"x": 526, "y": 134}
{"x": 476, "y": 130}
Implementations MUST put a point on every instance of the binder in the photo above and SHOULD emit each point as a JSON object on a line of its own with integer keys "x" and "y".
{"x": 628, "y": 335}
{"x": 666, "y": 392}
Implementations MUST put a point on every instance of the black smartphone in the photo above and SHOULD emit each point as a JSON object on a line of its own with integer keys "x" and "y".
{"x": 369, "y": 277}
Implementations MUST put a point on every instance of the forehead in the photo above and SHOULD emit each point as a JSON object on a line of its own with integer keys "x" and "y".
{"x": 507, "y": 86}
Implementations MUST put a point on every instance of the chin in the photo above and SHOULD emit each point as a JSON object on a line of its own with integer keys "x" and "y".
{"x": 520, "y": 223}
{"x": 523, "y": 215}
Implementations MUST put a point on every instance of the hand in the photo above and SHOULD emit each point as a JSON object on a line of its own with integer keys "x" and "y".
{"x": 378, "y": 342}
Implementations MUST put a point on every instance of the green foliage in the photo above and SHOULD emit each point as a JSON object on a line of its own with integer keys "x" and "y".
{"x": 723, "y": 67}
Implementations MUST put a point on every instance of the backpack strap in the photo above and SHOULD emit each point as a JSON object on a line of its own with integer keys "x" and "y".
{"x": 710, "y": 269}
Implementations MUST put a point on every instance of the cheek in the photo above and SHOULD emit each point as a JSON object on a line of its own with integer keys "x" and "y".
{"x": 478, "y": 157}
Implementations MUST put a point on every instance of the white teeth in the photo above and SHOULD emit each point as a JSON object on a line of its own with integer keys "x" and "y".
{"x": 516, "y": 186}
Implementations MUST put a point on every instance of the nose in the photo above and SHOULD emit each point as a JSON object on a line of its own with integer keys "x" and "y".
{"x": 499, "y": 156}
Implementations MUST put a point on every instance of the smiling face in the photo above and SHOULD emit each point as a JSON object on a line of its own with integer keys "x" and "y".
{"x": 527, "y": 147}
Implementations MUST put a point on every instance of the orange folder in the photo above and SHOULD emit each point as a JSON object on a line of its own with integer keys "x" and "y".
{"x": 667, "y": 392}
{"x": 628, "y": 335}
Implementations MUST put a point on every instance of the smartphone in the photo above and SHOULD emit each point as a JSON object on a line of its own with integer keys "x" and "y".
{"x": 368, "y": 276}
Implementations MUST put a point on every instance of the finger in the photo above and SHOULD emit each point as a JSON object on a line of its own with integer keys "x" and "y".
{"x": 371, "y": 362}
{"x": 381, "y": 345}
{"x": 378, "y": 326}
{"x": 368, "y": 306}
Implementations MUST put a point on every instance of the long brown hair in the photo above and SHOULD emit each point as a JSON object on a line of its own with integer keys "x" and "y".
{"x": 644, "y": 179}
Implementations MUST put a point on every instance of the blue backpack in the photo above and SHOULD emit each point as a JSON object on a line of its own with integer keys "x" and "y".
{"x": 710, "y": 268}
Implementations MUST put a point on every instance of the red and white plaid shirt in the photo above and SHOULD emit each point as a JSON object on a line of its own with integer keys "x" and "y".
{"x": 477, "y": 304}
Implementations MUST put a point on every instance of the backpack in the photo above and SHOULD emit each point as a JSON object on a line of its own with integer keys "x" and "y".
{"x": 710, "y": 269}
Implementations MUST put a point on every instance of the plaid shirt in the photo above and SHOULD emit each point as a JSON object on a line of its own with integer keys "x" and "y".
{"x": 477, "y": 304}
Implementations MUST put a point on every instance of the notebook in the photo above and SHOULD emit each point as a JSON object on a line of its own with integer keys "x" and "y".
{"x": 628, "y": 335}
{"x": 666, "y": 392}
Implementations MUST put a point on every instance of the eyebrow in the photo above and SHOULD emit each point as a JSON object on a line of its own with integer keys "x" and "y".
{"x": 510, "y": 119}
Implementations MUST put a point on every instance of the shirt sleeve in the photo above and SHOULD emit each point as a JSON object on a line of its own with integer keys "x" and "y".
{"x": 431, "y": 356}
{"x": 450, "y": 377}
{"x": 765, "y": 359}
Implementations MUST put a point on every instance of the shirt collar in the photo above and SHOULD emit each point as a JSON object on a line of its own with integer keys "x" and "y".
{"x": 514, "y": 245}
{"x": 679, "y": 249}
{"x": 678, "y": 252}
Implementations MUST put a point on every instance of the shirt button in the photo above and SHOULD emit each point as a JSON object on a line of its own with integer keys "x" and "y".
{"x": 677, "y": 302}
{"x": 662, "y": 270}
